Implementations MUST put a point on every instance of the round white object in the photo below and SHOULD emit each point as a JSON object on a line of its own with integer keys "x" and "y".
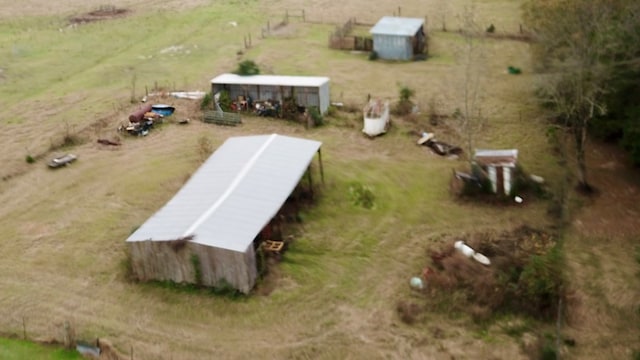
{"x": 416, "y": 283}
{"x": 518, "y": 199}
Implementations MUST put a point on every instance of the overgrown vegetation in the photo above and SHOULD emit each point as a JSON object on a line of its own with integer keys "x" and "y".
{"x": 405, "y": 104}
{"x": 526, "y": 276}
{"x": 361, "y": 195}
{"x": 225, "y": 101}
{"x": 197, "y": 268}
{"x": 316, "y": 116}
{"x": 207, "y": 102}
{"x": 247, "y": 67}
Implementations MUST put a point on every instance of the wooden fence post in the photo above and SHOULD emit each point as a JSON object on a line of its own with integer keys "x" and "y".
{"x": 303, "y": 16}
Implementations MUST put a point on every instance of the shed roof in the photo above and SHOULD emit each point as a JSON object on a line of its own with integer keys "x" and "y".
{"x": 234, "y": 194}
{"x": 507, "y": 157}
{"x": 401, "y": 26}
{"x": 271, "y": 80}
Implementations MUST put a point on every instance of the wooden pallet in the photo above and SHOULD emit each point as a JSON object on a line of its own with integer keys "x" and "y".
{"x": 272, "y": 246}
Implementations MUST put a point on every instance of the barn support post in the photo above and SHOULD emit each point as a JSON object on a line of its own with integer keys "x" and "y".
{"x": 321, "y": 169}
{"x": 309, "y": 178}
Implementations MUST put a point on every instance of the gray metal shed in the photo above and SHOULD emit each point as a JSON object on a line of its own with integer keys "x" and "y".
{"x": 308, "y": 90}
{"x": 398, "y": 38}
{"x": 205, "y": 233}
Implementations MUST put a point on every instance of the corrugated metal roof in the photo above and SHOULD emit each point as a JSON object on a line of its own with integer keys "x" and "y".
{"x": 234, "y": 194}
{"x": 402, "y": 26}
{"x": 507, "y": 157}
{"x": 271, "y": 80}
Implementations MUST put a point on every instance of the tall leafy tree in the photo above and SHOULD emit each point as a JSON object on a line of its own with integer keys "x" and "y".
{"x": 581, "y": 46}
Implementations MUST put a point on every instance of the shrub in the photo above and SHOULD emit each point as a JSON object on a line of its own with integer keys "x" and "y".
{"x": 316, "y": 116}
{"x": 29, "y": 159}
{"x": 373, "y": 56}
{"x": 362, "y": 195}
{"x": 225, "y": 101}
{"x": 540, "y": 283}
{"x": 406, "y": 93}
{"x": 247, "y": 67}
{"x": 206, "y": 102}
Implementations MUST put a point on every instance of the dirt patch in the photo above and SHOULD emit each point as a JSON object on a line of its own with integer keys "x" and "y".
{"x": 601, "y": 259}
{"x": 102, "y": 13}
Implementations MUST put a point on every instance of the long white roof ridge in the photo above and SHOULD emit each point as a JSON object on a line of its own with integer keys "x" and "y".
{"x": 231, "y": 188}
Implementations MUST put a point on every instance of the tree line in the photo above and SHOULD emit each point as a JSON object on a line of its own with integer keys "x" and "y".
{"x": 587, "y": 56}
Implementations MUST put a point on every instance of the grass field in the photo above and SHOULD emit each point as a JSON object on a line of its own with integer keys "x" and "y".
{"x": 335, "y": 292}
{"x": 20, "y": 349}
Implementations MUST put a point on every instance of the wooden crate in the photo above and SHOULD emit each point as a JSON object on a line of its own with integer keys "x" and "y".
{"x": 272, "y": 246}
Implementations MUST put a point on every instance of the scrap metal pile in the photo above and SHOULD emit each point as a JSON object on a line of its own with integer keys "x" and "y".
{"x": 143, "y": 119}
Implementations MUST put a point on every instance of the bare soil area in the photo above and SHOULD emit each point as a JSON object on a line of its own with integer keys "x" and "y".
{"x": 603, "y": 255}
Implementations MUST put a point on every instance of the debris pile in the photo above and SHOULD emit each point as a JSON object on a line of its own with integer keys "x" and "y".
{"x": 439, "y": 147}
{"x": 517, "y": 270}
{"x": 143, "y": 119}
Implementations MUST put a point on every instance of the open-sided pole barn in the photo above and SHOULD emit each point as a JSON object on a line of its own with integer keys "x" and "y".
{"x": 307, "y": 90}
{"x": 205, "y": 233}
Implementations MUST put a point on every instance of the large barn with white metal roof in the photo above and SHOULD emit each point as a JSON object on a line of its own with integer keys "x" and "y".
{"x": 205, "y": 234}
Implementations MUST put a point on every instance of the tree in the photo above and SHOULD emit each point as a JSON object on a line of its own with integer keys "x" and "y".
{"x": 581, "y": 46}
{"x": 472, "y": 59}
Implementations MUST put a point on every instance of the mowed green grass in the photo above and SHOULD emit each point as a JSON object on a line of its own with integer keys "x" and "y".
{"x": 20, "y": 349}
{"x": 335, "y": 292}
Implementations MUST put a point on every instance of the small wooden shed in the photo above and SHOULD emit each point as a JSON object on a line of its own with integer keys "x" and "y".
{"x": 500, "y": 167}
{"x": 205, "y": 234}
{"x": 399, "y": 38}
{"x": 307, "y": 90}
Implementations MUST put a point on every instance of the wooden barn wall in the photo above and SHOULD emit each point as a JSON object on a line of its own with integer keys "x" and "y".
{"x": 218, "y": 266}
{"x": 169, "y": 260}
